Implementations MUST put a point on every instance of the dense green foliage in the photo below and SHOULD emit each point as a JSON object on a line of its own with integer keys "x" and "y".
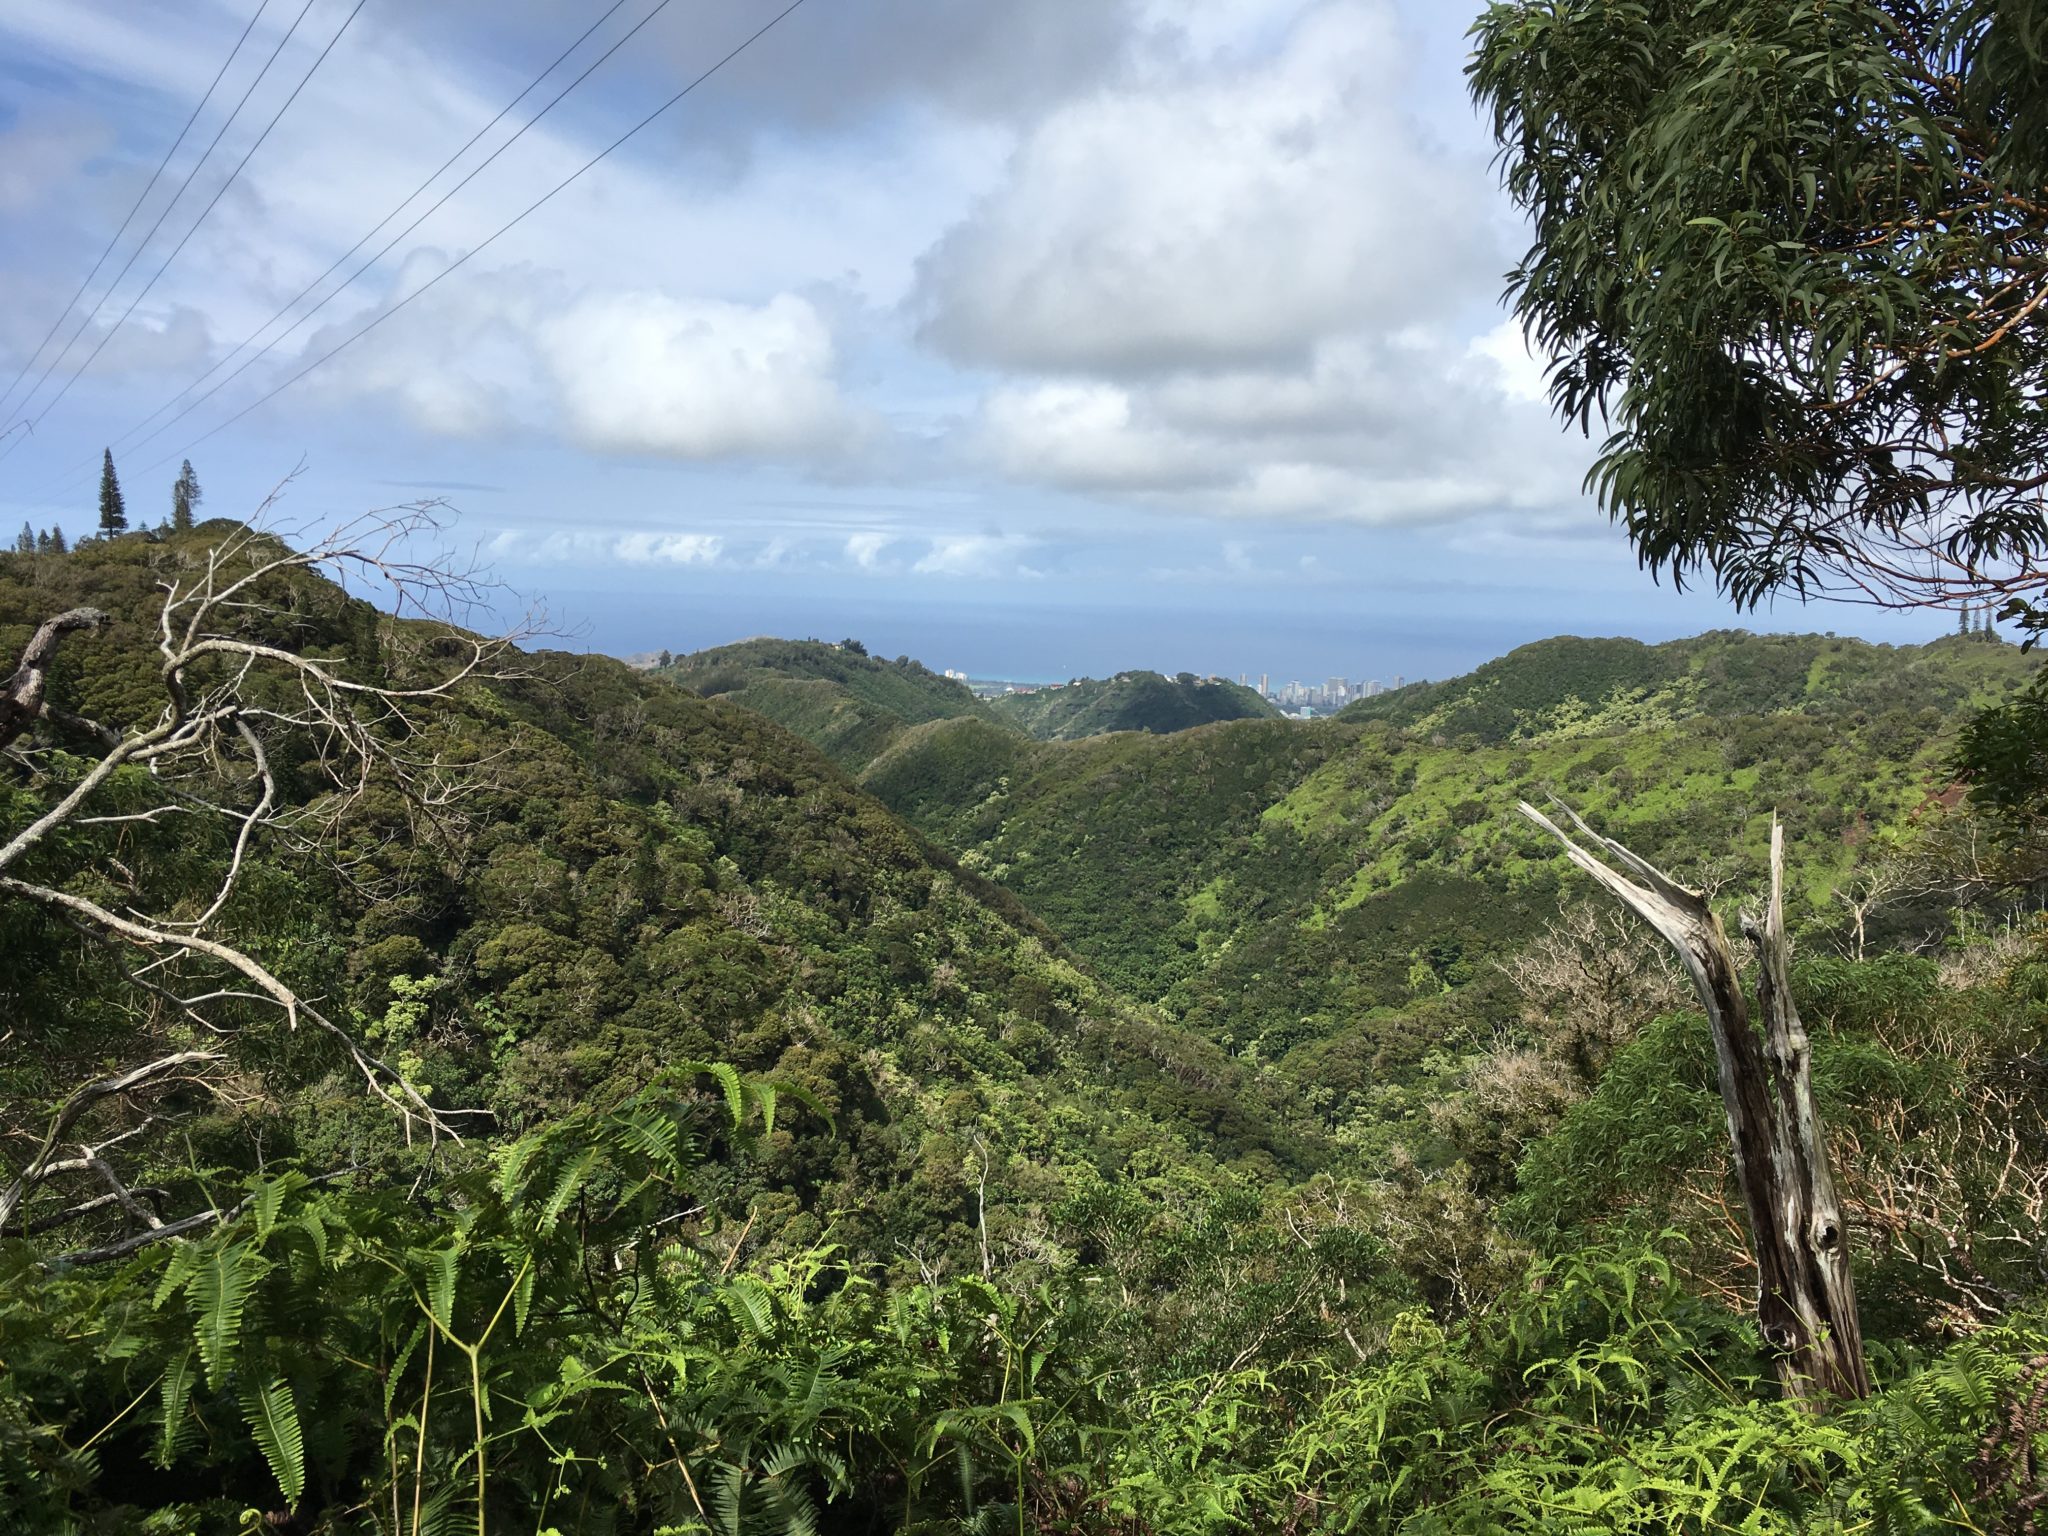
{"x": 636, "y": 876}
{"x": 845, "y": 702}
{"x": 1179, "y": 1155}
{"x": 539, "y": 1344}
{"x": 1792, "y": 257}
{"x": 1130, "y": 701}
{"x": 1334, "y": 897}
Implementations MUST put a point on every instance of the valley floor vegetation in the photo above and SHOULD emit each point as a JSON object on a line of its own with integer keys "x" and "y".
{"x": 453, "y": 1087}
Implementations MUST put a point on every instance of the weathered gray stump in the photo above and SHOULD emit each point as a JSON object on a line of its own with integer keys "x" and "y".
{"x": 1806, "y": 1297}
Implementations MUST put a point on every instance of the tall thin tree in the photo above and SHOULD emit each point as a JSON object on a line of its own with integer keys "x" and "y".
{"x": 25, "y": 541}
{"x": 185, "y": 495}
{"x": 113, "y": 510}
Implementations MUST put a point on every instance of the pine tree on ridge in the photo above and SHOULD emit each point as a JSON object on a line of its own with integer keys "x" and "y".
{"x": 113, "y": 510}
{"x": 185, "y": 495}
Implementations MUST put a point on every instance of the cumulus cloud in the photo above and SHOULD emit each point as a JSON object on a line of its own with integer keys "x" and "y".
{"x": 1084, "y": 436}
{"x": 670, "y": 548}
{"x": 601, "y": 546}
{"x": 865, "y": 549}
{"x": 1382, "y": 432}
{"x": 979, "y": 554}
{"x": 1247, "y": 285}
{"x": 639, "y": 372}
{"x": 1230, "y": 215}
{"x": 647, "y": 373}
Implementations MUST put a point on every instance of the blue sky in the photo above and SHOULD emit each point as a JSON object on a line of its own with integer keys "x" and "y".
{"x": 1041, "y": 338}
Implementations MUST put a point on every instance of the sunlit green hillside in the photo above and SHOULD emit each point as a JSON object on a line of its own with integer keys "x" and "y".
{"x": 1130, "y": 701}
{"x": 848, "y": 704}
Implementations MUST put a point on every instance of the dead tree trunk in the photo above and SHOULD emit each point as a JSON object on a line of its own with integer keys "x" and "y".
{"x": 1806, "y": 1297}
{"x": 21, "y": 695}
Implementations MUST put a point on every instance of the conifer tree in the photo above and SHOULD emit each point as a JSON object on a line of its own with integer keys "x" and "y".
{"x": 113, "y": 510}
{"x": 57, "y": 544}
{"x": 42, "y": 541}
{"x": 185, "y": 495}
{"x": 25, "y": 541}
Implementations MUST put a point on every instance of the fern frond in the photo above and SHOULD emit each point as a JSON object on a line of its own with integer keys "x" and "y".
{"x": 273, "y": 1417}
{"x": 567, "y": 1184}
{"x": 177, "y": 1397}
{"x": 219, "y": 1294}
{"x": 441, "y": 1264}
{"x": 728, "y": 1078}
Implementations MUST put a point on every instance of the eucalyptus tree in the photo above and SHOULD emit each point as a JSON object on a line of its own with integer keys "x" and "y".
{"x": 1795, "y": 259}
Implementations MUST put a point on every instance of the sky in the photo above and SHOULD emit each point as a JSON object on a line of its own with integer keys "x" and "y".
{"x": 1035, "y": 340}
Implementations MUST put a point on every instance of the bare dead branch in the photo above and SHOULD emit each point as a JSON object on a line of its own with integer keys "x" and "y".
{"x": 21, "y": 696}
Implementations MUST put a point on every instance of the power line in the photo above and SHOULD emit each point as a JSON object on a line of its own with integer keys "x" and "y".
{"x": 163, "y": 164}
{"x": 86, "y": 318}
{"x": 502, "y": 230}
{"x": 219, "y": 193}
{"x": 403, "y": 204}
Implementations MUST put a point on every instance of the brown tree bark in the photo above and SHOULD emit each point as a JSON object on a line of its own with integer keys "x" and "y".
{"x": 1806, "y": 1296}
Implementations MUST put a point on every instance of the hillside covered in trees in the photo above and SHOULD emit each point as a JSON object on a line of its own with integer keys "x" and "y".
{"x": 1129, "y": 701}
{"x": 1165, "y": 1133}
{"x": 847, "y": 703}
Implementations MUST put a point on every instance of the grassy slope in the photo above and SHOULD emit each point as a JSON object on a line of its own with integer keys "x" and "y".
{"x": 851, "y": 707}
{"x": 1130, "y": 701}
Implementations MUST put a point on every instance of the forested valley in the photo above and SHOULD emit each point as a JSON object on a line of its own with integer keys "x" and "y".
{"x": 457, "y": 1086}
{"x": 451, "y": 1084}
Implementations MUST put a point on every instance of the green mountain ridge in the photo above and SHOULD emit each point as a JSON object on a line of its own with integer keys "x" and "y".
{"x": 1129, "y": 701}
{"x": 1174, "y": 1157}
{"x": 849, "y": 705}
{"x": 1570, "y": 685}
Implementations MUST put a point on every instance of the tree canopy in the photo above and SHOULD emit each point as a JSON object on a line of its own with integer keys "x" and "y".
{"x": 1793, "y": 257}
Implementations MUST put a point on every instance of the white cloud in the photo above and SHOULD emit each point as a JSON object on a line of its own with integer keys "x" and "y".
{"x": 691, "y": 379}
{"x": 604, "y": 546}
{"x": 1229, "y": 215}
{"x": 978, "y": 555}
{"x": 1247, "y": 286}
{"x": 1082, "y": 435}
{"x": 1518, "y": 366}
{"x": 1396, "y": 431}
{"x": 865, "y": 549}
{"x": 610, "y": 372}
{"x": 670, "y": 548}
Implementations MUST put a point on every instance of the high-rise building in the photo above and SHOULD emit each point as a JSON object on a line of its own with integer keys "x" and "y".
{"x": 1264, "y": 691}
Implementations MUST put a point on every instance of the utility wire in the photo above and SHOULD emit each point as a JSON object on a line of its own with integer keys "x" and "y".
{"x": 86, "y": 318}
{"x": 405, "y": 203}
{"x": 161, "y": 166}
{"x": 502, "y": 230}
{"x": 221, "y": 192}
